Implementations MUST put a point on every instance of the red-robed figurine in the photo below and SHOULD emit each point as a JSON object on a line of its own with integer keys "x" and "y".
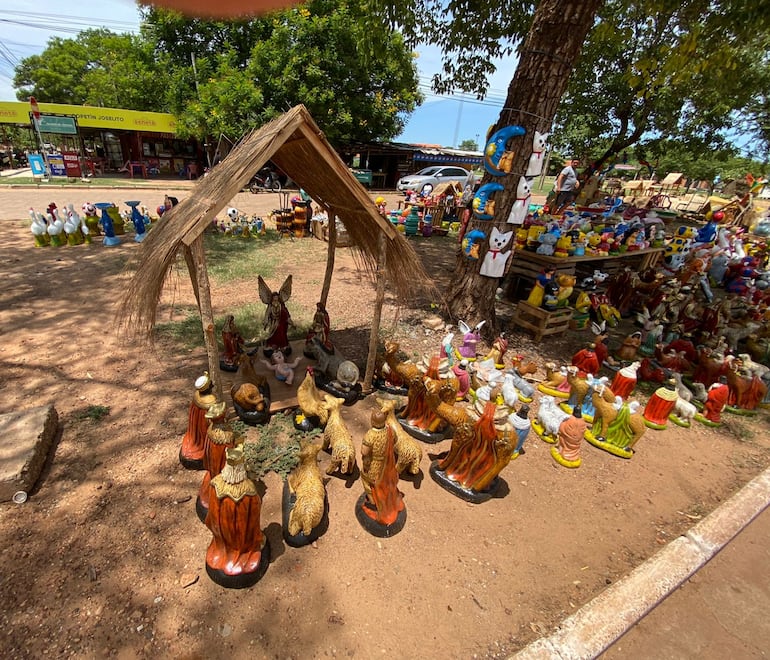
{"x": 277, "y": 317}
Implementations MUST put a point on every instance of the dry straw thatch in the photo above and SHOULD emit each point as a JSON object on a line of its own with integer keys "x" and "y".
{"x": 294, "y": 143}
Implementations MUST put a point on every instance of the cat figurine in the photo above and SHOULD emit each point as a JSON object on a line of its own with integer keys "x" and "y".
{"x": 535, "y": 166}
{"x": 521, "y": 205}
{"x": 495, "y": 260}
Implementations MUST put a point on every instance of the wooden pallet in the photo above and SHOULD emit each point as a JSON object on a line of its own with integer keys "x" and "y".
{"x": 539, "y": 321}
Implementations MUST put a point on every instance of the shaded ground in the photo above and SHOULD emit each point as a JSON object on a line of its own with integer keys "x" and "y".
{"x": 107, "y": 556}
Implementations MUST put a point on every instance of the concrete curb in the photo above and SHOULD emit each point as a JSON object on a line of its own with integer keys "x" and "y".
{"x": 599, "y": 623}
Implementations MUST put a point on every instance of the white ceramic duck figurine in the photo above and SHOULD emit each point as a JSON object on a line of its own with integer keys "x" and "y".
{"x": 55, "y": 229}
{"x": 39, "y": 229}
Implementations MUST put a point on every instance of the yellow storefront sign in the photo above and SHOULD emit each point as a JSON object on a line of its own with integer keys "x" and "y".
{"x": 17, "y": 112}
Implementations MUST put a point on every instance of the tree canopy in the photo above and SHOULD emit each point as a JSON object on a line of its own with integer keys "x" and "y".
{"x": 98, "y": 67}
{"x": 357, "y": 78}
{"x": 687, "y": 70}
{"x": 356, "y": 86}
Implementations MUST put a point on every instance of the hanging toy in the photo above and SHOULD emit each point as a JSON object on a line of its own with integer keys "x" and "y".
{"x": 497, "y": 159}
{"x": 471, "y": 244}
{"x": 495, "y": 259}
{"x": 520, "y": 206}
{"x": 535, "y": 166}
{"x": 483, "y": 207}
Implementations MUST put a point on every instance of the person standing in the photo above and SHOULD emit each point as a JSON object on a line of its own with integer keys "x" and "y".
{"x": 566, "y": 186}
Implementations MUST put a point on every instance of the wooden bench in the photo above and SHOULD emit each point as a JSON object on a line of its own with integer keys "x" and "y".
{"x": 540, "y": 321}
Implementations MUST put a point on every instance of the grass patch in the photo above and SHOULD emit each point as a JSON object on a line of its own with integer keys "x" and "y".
{"x": 230, "y": 259}
{"x": 188, "y": 334}
{"x": 94, "y": 413}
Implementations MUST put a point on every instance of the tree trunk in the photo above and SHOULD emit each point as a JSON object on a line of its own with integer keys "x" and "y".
{"x": 546, "y": 60}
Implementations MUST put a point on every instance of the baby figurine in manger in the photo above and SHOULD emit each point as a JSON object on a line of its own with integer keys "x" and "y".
{"x": 283, "y": 371}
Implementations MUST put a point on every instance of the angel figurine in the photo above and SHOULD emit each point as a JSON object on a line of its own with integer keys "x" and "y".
{"x": 277, "y": 317}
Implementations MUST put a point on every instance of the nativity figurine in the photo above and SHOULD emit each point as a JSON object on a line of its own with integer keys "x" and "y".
{"x": 277, "y": 318}
{"x": 284, "y": 371}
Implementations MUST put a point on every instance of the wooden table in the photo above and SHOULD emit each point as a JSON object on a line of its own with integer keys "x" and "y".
{"x": 526, "y": 266}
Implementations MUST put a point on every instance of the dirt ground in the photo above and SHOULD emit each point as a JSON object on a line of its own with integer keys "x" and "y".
{"x": 106, "y": 558}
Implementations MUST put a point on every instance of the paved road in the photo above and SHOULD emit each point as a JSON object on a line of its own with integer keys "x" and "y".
{"x": 723, "y": 611}
{"x": 720, "y": 611}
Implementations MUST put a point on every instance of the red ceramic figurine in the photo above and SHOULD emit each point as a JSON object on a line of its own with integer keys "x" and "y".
{"x": 194, "y": 440}
{"x": 239, "y": 553}
{"x": 277, "y": 317}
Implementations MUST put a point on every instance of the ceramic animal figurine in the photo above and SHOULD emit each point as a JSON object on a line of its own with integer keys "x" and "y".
{"x": 495, "y": 259}
{"x": 483, "y": 206}
{"x": 549, "y": 418}
{"x": 250, "y": 393}
{"x": 606, "y": 405}
{"x": 521, "y": 203}
{"x": 471, "y": 338}
{"x": 535, "y": 166}
{"x": 239, "y": 552}
{"x": 338, "y": 439}
{"x": 554, "y": 377}
{"x": 380, "y": 510}
{"x": 284, "y": 371}
{"x": 408, "y": 450}
{"x": 311, "y": 404}
{"x": 683, "y": 413}
{"x": 39, "y": 229}
{"x": 307, "y": 497}
{"x": 622, "y": 433}
{"x": 496, "y": 148}
{"x": 277, "y": 318}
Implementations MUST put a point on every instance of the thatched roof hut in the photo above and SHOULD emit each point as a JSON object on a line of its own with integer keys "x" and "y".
{"x": 294, "y": 143}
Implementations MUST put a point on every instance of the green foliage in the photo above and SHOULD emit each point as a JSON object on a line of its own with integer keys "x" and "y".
{"x": 276, "y": 447}
{"x": 651, "y": 72}
{"x": 469, "y": 145}
{"x": 470, "y": 34}
{"x": 94, "y": 413}
{"x": 97, "y": 68}
{"x": 357, "y": 84}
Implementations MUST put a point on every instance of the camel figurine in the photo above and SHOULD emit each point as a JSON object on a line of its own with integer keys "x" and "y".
{"x": 622, "y": 433}
{"x": 578, "y": 388}
{"x": 555, "y": 383}
{"x": 606, "y": 406}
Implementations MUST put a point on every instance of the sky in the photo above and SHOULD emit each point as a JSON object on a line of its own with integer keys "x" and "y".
{"x": 26, "y": 27}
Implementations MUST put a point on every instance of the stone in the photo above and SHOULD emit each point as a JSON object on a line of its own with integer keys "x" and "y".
{"x": 29, "y": 436}
{"x": 433, "y": 323}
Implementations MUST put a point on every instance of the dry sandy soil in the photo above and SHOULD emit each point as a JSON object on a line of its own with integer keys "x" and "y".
{"x": 106, "y": 558}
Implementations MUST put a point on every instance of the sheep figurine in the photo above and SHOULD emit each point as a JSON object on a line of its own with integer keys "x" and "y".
{"x": 549, "y": 419}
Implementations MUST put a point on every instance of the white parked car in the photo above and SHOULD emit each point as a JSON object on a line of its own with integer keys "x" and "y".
{"x": 427, "y": 179}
